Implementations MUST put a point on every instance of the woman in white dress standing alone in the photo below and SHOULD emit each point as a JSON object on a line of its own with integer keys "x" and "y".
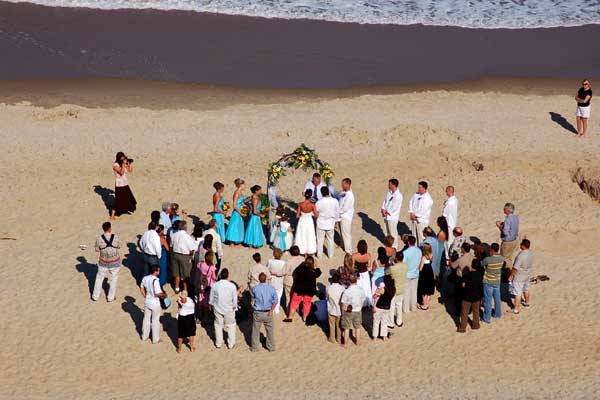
{"x": 306, "y": 237}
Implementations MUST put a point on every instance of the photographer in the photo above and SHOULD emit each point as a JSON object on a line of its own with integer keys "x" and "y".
{"x": 125, "y": 203}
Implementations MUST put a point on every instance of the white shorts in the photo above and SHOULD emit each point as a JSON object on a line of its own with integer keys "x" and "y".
{"x": 583, "y": 112}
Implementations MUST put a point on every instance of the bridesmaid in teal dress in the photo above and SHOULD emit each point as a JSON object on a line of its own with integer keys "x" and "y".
{"x": 254, "y": 231}
{"x": 235, "y": 230}
{"x": 218, "y": 214}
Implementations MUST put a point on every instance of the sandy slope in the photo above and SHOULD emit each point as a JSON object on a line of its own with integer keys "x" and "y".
{"x": 56, "y": 343}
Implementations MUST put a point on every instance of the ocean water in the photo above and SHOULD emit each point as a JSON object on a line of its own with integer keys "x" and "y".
{"x": 464, "y": 13}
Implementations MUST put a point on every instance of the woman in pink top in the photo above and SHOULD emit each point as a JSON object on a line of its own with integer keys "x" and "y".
{"x": 125, "y": 203}
{"x": 208, "y": 276}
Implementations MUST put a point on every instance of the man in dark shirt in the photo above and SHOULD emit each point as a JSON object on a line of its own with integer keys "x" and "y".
{"x": 583, "y": 99}
{"x": 472, "y": 294}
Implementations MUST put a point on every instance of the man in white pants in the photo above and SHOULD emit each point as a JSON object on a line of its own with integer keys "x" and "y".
{"x": 223, "y": 301}
{"x": 419, "y": 209}
{"x": 346, "y": 199}
{"x": 390, "y": 209}
{"x": 329, "y": 212}
{"x": 109, "y": 262}
{"x": 152, "y": 292}
{"x": 450, "y": 212}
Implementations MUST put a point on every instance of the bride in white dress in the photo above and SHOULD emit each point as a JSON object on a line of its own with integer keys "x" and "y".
{"x": 306, "y": 238}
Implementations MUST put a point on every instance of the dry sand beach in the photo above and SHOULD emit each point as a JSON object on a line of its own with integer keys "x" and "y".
{"x": 58, "y": 139}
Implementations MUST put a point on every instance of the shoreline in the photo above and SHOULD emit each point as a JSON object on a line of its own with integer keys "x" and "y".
{"x": 126, "y": 92}
{"x": 43, "y": 42}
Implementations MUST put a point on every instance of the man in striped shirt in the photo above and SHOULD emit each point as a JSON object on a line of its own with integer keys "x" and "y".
{"x": 491, "y": 283}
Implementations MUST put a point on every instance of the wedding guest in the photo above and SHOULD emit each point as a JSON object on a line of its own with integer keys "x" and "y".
{"x": 254, "y": 236}
{"x": 165, "y": 219}
{"x": 265, "y": 301}
{"x": 208, "y": 277}
{"x": 314, "y": 185}
{"x": 390, "y": 210}
{"x": 177, "y": 214}
{"x": 352, "y": 302}
{"x": 583, "y": 99}
{"x": 471, "y": 295}
{"x": 346, "y": 199}
{"x": 186, "y": 321}
{"x": 491, "y": 283}
{"x": 419, "y": 209}
{"x": 218, "y": 214}
{"x": 125, "y": 203}
{"x": 150, "y": 246}
{"x": 398, "y": 271}
{"x": 520, "y": 275}
{"x": 509, "y": 233}
{"x": 183, "y": 247}
{"x": 304, "y": 289}
{"x": 306, "y": 238}
{"x": 457, "y": 242}
{"x": 347, "y": 270}
{"x": 155, "y": 217}
{"x": 412, "y": 258}
{"x": 459, "y": 264}
{"x": 429, "y": 237}
{"x": 426, "y": 281}
{"x": 198, "y": 236}
{"x": 328, "y": 209}
{"x": 235, "y": 230}
{"x": 276, "y": 267}
{"x": 334, "y": 311}
{"x": 444, "y": 244}
{"x": 378, "y": 268}
{"x": 381, "y": 316}
{"x": 224, "y": 302}
{"x": 362, "y": 264}
{"x": 109, "y": 262}
{"x": 404, "y": 241}
{"x": 288, "y": 275}
{"x": 390, "y": 250}
{"x": 255, "y": 270}
{"x": 217, "y": 244}
{"x": 164, "y": 255}
{"x": 152, "y": 292}
{"x": 450, "y": 210}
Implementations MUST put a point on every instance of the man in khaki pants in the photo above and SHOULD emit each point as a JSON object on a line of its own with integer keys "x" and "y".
{"x": 509, "y": 233}
{"x": 346, "y": 200}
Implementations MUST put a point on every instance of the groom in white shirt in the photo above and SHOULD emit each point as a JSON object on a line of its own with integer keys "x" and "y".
{"x": 450, "y": 212}
{"x": 390, "y": 210}
{"x": 346, "y": 199}
{"x": 419, "y": 209}
{"x": 329, "y": 212}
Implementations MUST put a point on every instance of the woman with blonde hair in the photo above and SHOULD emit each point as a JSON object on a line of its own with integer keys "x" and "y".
{"x": 347, "y": 270}
{"x": 426, "y": 285}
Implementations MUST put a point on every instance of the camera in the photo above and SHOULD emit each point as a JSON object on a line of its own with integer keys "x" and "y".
{"x": 130, "y": 160}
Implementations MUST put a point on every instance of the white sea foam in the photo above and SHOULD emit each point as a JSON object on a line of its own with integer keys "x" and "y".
{"x": 464, "y": 13}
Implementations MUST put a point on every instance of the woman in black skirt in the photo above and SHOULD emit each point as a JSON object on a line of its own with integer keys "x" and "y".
{"x": 124, "y": 201}
{"x": 426, "y": 285}
{"x": 186, "y": 320}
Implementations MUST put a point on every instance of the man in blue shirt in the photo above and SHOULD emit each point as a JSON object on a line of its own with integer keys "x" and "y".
{"x": 509, "y": 233}
{"x": 436, "y": 249}
{"x": 265, "y": 301}
{"x": 412, "y": 258}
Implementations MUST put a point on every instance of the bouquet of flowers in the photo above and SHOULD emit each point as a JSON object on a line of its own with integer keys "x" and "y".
{"x": 275, "y": 171}
{"x": 304, "y": 158}
{"x": 226, "y": 207}
{"x": 326, "y": 172}
{"x": 244, "y": 210}
{"x": 264, "y": 208}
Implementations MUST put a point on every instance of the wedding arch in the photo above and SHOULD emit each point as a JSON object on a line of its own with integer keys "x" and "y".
{"x": 303, "y": 158}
